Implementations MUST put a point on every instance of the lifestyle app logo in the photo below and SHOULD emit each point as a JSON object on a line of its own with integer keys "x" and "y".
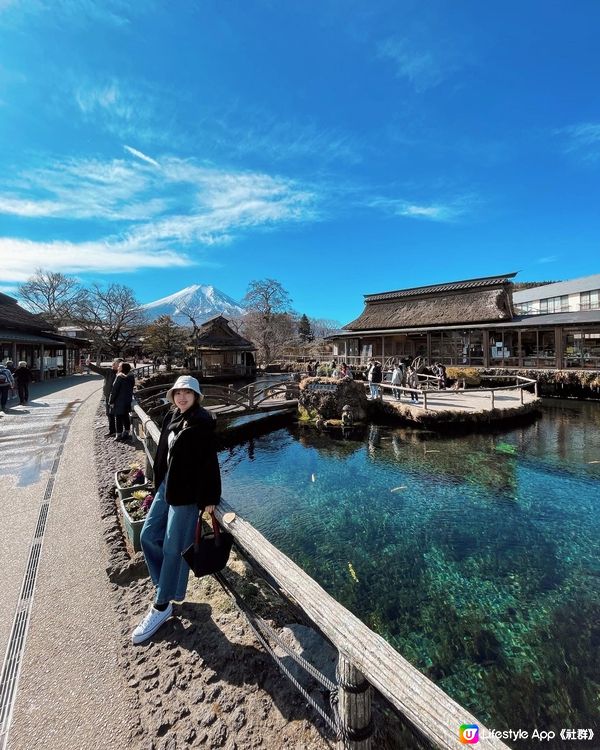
{"x": 468, "y": 734}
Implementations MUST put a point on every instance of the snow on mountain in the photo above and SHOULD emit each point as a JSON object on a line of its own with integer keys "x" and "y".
{"x": 205, "y": 301}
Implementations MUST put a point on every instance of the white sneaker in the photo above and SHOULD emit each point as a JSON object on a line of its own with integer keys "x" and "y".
{"x": 152, "y": 621}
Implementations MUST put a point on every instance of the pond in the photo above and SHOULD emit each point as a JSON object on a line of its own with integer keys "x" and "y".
{"x": 476, "y": 556}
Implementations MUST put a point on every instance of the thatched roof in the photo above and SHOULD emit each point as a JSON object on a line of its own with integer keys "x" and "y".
{"x": 470, "y": 301}
{"x": 14, "y": 317}
{"x": 217, "y": 335}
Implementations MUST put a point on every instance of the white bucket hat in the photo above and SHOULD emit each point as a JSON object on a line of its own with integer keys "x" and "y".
{"x": 184, "y": 381}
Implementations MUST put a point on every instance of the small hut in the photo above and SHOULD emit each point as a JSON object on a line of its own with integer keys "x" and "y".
{"x": 222, "y": 351}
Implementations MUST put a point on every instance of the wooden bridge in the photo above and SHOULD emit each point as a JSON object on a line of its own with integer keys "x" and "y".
{"x": 227, "y": 402}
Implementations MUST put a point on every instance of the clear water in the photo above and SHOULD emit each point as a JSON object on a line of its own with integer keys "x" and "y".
{"x": 477, "y": 556}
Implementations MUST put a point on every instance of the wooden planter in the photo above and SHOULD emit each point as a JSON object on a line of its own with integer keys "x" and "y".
{"x": 132, "y": 527}
{"x": 125, "y": 492}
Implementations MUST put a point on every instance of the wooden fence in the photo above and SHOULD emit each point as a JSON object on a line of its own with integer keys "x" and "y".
{"x": 365, "y": 659}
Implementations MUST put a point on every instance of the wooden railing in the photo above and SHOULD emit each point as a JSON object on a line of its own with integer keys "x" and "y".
{"x": 363, "y": 656}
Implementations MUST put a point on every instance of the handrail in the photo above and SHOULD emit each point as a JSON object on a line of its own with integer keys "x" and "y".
{"x": 421, "y": 702}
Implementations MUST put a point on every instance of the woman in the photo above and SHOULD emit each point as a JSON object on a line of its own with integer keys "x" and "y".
{"x": 186, "y": 478}
{"x": 22, "y": 376}
{"x": 120, "y": 398}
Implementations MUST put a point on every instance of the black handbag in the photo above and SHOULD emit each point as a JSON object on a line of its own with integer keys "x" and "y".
{"x": 210, "y": 552}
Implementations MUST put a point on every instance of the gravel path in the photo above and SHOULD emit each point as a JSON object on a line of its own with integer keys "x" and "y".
{"x": 203, "y": 680}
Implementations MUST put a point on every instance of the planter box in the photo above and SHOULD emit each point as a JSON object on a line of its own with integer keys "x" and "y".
{"x": 132, "y": 527}
{"x": 124, "y": 492}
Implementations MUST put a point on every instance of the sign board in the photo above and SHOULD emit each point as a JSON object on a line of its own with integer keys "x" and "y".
{"x": 328, "y": 387}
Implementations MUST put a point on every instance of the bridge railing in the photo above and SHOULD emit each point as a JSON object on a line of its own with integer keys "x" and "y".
{"x": 365, "y": 659}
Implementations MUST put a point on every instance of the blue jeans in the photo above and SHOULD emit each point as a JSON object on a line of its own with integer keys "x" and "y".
{"x": 374, "y": 388}
{"x": 167, "y": 531}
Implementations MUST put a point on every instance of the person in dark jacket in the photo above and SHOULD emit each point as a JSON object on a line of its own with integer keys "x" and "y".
{"x": 187, "y": 478}
{"x": 109, "y": 374}
{"x": 22, "y": 376}
{"x": 120, "y": 398}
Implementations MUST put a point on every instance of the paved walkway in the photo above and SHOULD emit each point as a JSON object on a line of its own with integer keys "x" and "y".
{"x": 70, "y": 693}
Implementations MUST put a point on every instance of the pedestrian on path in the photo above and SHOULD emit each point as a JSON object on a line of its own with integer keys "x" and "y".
{"x": 120, "y": 398}
{"x": 23, "y": 377}
{"x": 109, "y": 374}
{"x": 6, "y": 383}
{"x": 187, "y": 478}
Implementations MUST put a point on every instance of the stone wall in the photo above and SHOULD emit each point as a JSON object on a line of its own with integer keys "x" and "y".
{"x": 325, "y": 397}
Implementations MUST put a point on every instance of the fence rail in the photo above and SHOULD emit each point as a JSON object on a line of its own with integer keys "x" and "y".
{"x": 362, "y": 654}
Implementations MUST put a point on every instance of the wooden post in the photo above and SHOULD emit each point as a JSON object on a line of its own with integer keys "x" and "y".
{"x": 251, "y": 395}
{"x": 521, "y": 390}
{"x": 535, "y": 389}
{"x": 355, "y": 695}
{"x": 425, "y": 399}
{"x": 492, "y": 395}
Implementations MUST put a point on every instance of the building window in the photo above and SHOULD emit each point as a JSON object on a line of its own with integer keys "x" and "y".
{"x": 525, "y": 308}
{"x": 555, "y": 304}
{"x": 590, "y": 300}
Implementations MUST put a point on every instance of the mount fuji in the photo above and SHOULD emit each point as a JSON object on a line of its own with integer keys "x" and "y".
{"x": 205, "y": 301}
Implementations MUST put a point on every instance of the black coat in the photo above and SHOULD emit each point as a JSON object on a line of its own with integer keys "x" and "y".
{"x": 121, "y": 393}
{"x": 109, "y": 376}
{"x": 192, "y": 474}
{"x": 22, "y": 375}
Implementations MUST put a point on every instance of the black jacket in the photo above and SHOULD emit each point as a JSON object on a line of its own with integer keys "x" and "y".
{"x": 192, "y": 475}
{"x": 22, "y": 375}
{"x": 109, "y": 376}
{"x": 121, "y": 393}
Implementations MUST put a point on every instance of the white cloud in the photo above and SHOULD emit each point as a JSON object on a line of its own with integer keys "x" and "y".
{"x": 547, "y": 259}
{"x": 142, "y": 156}
{"x": 19, "y": 257}
{"x": 443, "y": 212}
{"x": 583, "y": 141}
{"x": 420, "y": 66}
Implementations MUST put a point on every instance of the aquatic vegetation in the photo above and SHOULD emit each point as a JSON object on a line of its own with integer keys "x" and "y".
{"x": 483, "y": 571}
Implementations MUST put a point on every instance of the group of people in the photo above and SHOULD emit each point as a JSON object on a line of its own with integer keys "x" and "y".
{"x": 402, "y": 377}
{"x": 14, "y": 378}
{"x": 119, "y": 381}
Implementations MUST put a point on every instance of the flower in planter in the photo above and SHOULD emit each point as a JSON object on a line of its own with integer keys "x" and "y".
{"x": 138, "y": 504}
{"x": 135, "y": 475}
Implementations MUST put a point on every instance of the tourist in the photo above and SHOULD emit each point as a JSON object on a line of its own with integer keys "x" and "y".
{"x": 187, "y": 478}
{"x": 109, "y": 374}
{"x": 6, "y": 383}
{"x": 412, "y": 381}
{"x": 440, "y": 372}
{"x": 23, "y": 377}
{"x": 397, "y": 381}
{"x": 120, "y": 398}
{"x": 349, "y": 374}
{"x": 376, "y": 378}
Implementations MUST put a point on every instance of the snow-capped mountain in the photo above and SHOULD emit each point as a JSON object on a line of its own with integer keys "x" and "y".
{"x": 205, "y": 301}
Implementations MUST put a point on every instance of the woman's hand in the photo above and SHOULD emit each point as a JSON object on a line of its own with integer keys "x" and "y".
{"x": 209, "y": 509}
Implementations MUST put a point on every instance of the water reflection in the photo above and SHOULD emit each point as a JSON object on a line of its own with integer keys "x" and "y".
{"x": 475, "y": 556}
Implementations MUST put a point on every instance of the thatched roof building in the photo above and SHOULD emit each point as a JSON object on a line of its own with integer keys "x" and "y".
{"x": 217, "y": 335}
{"x": 30, "y": 338}
{"x": 222, "y": 351}
{"x": 481, "y": 300}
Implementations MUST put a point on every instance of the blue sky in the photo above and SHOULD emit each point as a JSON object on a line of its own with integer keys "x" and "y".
{"x": 342, "y": 148}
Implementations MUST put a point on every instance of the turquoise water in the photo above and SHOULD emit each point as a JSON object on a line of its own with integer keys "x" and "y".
{"x": 477, "y": 556}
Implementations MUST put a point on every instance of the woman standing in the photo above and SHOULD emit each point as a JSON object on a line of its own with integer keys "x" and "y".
{"x": 22, "y": 376}
{"x": 119, "y": 400}
{"x": 186, "y": 478}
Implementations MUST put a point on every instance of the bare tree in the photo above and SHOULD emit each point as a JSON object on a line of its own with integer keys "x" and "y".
{"x": 111, "y": 317}
{"x": 53, "y": 295}
{"x": 266, "y": 323}
{"x": 321, "y": 327}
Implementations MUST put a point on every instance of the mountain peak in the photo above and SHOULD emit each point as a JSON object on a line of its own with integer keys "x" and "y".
{"x": 205, "y": 300}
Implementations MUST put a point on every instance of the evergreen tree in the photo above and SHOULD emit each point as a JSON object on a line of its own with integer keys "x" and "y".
{"x": 304, "y": 329}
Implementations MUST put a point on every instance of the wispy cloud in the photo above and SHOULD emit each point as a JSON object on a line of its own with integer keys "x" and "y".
{"x": 547, "y": 259}
{"x": 447, "y": 212}
{"x": 19, "y": 257}
{"x": 416, "y": 63}
{"x": 583, "y": 141}
{"x": 77, "y": 13}
{"x": 140, "y": 155}
{"x": 159, "y": 208}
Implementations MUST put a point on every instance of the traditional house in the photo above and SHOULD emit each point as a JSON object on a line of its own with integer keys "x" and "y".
{"x": 469, "y": 322}
{"x": 222, "y": 351}
{"x": 25, "y": 337}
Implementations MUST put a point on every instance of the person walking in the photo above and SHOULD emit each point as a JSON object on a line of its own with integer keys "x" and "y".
{"x": 6, "y": 383}
{"x": 23, "y": 376}
{"x": 109, "y": 374}
{"x": 412, "y": 380}
{"x": 187, "y": 479}
{"x": 119, "y": 400}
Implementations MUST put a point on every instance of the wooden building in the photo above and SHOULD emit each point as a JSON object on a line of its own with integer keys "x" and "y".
{"x": 222, "y": 351}
{"x": 25, "y": 337}
{"x": 470, "y": 323}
